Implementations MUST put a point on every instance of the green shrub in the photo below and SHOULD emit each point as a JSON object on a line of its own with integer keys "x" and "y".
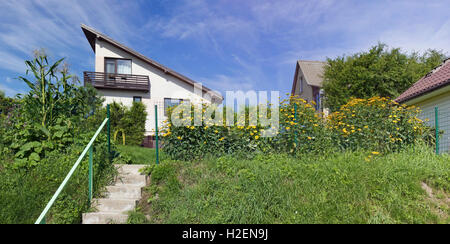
{"x": 128, "y": 120}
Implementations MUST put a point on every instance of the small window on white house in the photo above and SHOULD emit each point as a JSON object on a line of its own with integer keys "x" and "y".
{"x": 137, "y": 99}
{"x": 124, "y": 66}
{"x": 171, "y": 102}
{"x": 110, "y": 66}
{"x": 118, "y": 66}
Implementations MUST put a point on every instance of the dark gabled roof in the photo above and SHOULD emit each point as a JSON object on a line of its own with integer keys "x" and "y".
{"x": 92, "y": 34}
{"x": 437, "y": 78}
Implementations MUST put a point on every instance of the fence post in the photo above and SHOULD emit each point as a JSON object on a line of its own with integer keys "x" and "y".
{"x": 156, "y": 134}
{"x": 91, "y": 175}
{"x": 436, "y": 120}
{"x": 295, "y": 117}
{"x": 108, "y": 131}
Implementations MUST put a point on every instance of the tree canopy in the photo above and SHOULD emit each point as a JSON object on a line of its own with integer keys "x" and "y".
{"x": 379, "y": 72}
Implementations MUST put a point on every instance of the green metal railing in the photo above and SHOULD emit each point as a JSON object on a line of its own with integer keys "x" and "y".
{"x": 156, "y": 134}
{"x": 89, "y": 147}
{"x": 436, "y": 125}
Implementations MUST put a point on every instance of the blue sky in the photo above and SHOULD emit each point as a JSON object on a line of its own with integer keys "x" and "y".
{"x": 226, "y": 45}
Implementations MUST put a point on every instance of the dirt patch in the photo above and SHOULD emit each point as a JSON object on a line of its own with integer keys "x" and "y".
{"x": 440, "y": 199}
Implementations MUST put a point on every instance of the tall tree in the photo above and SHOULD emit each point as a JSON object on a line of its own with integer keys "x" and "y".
{"x": 379, "y": 72}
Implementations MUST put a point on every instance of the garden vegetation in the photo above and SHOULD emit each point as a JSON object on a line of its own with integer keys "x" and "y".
{"x": 42, "y": 133}
{"x": 365, "y": 163}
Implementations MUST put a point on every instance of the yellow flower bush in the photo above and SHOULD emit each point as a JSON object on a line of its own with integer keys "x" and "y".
{"x": 377, "y": 124}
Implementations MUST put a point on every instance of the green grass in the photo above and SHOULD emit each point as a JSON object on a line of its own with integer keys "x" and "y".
{"x": 339, "y": 188}
{"x": 139, "y": 155}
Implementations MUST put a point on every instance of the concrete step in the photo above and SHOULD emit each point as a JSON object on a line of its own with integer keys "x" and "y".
{"x": 138, "y": 180}
{"x": 123, "y": 192}
{"x": 115, "y": 205}
{"x": 121, "y": 197}
{"x": 104, "y": 218}
{"x": 129, "y": 168}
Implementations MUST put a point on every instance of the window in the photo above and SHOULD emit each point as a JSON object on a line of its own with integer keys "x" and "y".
{"x": 118, "y": 66}
{"x": 171, "y": 102}
{"x": 137, "y": 99}
{"x": 301, "y": 84}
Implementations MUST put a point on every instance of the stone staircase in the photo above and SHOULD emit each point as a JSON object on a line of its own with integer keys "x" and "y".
{"x": 121, "y": 197}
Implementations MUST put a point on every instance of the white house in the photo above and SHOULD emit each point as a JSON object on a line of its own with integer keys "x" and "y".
{"x": 124, "y": 75}
{"x": 430, "y": 92}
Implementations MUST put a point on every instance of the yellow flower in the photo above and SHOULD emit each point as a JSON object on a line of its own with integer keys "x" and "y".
{"x": 216, "y": 131}
{"x": 309, "y": 138}
{"x": 221, "y": 139}
{"x": 375, "y": 153}
{"x": 179, "y": 137}
{"x": 288, "y": 128}
{"x": 256, "y": 137}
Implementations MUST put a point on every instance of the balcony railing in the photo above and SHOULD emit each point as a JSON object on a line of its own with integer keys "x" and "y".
{"x": 117, "y": 81}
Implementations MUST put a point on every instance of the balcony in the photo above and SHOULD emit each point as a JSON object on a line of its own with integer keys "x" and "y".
{"x": 102, "y": 80}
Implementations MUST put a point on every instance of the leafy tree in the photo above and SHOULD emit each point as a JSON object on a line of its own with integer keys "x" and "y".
{"x": 379, "y": 72}
{"x": 2, "y": 94}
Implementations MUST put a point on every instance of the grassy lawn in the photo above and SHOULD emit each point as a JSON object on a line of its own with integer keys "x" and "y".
{"x": 139, "y": 155}
{"x": 338, "y": 188}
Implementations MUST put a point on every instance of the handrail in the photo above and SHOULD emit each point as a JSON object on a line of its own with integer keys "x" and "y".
{"x": 74, "y": 167}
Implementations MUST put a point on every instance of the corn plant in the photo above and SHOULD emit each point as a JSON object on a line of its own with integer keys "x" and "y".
{"x": 44, "y": 90}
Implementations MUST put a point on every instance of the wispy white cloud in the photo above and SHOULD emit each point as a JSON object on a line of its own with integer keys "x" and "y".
{"x": 55, "y": 25}
{"x": 12, "y": 62}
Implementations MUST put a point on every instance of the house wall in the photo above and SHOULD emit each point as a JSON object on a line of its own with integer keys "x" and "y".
{"x": 161, "y": 85}
{"x": 427, "y": 106}
{"x": 307, "y": 91}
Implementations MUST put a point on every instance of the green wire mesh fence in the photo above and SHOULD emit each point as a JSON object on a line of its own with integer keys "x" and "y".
{"x": 438, "y": 118}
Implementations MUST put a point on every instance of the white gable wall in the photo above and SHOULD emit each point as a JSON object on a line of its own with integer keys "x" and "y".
{"x": 161, "y": 85}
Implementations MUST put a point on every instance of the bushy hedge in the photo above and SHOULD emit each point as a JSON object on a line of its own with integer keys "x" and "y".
{"x": 376, "y": 124}
{"x": 128, "y": 120}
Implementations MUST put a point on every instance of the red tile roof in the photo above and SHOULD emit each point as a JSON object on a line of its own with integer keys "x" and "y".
{"x": 437, "y": 78}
